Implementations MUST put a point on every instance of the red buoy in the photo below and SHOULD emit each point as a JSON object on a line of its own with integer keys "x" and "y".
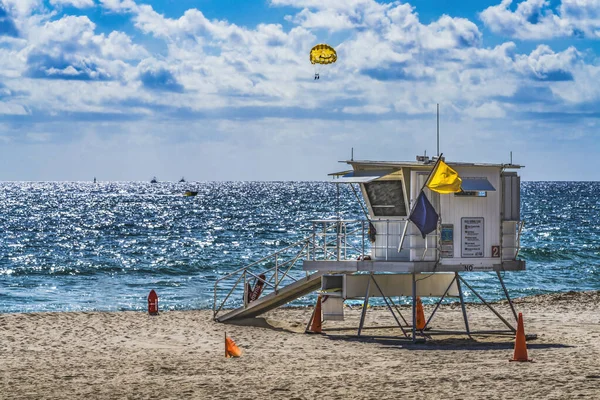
{"x": 153, "y": 303}
{"x": 254, "y": 294}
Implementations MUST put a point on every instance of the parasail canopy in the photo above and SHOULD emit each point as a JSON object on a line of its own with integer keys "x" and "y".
{"x": 323, "y": 54}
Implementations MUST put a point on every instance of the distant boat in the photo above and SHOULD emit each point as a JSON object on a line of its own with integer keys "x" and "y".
{"x": 182, "y": 180}
{"x": 154, "y": 180}
{"x": 94, "y": 179}
{"x": 190, "y": 193}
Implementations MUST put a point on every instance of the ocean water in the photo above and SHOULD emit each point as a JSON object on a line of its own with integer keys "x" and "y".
{"x": 79, "y": 246}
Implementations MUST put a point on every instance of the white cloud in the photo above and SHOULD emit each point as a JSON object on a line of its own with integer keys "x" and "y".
{"x": 322, "y": 4}
{"x": 450, "y": 32}
{"x": 73, "y": 3}
{"x": 68, "y": 29}
{"x": 486, "y": 110}
{"x": 119, "y": 46}
{"x": 12, "y": 109}
{"x": 335, "y": 15}
{"x": 544, "y": 64}
{"x": 76, "y": 35}
{"x": 22, "y": 7}
{"x": 324, "y": 19}
{"x": 535, "y": 19}
{"x": 119, "y": 6}
{"x": 368, "y": 109}
{"x": 69, "y": 49}
{"x": 36, "y": 137}
{"x": 584, "y": 10}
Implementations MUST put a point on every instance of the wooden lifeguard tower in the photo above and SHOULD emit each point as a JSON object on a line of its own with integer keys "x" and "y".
{"x": 386, "y": 255}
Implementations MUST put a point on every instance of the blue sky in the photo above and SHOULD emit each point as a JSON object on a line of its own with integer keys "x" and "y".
{"x": 223, "y": 89}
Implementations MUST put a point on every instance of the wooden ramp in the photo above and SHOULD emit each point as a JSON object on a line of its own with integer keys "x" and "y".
{"x": 288, "y": 293}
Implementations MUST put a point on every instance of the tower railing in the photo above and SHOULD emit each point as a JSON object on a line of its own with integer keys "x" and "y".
{"x": 330, "y": 240}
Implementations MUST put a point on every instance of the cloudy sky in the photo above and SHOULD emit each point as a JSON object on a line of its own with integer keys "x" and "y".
{"x": 224, "y": 90}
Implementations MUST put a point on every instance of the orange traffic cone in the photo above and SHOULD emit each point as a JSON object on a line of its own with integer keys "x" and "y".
{"x": 420, "y": 315}
{"x": 316, "y": 325}
{"x": 520, "y": 353}
{"x": 231, "y": 349}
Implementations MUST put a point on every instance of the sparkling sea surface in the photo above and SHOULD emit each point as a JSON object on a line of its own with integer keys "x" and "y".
{"x": 80, "y": 246}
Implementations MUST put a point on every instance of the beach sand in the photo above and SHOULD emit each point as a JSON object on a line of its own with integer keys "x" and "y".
{"x": 180, "y": 355}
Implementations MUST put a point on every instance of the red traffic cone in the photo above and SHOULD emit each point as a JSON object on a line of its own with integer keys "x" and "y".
{"x": 520, "y": 353}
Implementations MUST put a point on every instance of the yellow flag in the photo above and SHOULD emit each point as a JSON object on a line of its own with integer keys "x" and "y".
{"x": 444, "y": 179}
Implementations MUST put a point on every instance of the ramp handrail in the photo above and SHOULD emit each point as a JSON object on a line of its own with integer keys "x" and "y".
{"x": 333, "y": 240}
{"x": 272, "y": 279}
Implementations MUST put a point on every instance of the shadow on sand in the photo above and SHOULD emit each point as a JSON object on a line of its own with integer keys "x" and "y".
{"x": 259, "y": 322}
{"x": 488, "y": 343}
{"x": 476, "y": 342}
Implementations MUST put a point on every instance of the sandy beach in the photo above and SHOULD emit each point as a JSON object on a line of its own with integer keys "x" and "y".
{"x": 180, "y": 355}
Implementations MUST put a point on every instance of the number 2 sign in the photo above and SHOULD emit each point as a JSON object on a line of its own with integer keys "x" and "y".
{"x": 495, "y": 251}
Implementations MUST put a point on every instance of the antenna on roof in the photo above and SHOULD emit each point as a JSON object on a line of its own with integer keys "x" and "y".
{"x": 438, "y": 130}
{"x": 511, "y": 157}
{"x": 352, "y": 155}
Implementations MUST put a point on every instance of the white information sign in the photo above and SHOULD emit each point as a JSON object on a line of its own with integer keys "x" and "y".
{"x": 472, "y": 237}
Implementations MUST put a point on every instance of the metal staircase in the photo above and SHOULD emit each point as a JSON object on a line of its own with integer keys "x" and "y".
{"x": 273, "y": 300}
{"x": 282, "y": 283}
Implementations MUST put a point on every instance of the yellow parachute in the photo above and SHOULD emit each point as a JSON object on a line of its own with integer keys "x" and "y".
{"x": 323, "y": 54}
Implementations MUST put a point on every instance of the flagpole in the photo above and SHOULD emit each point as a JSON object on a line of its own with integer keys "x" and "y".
{"x": 412, "y": 207}
{"x": 429, "y": 177}
{"x": 438, "y": 129}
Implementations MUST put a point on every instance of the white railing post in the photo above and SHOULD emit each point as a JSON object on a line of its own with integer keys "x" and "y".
{"x": 276, "y": 274}
{"x": 518, "y": 241}
{"x": 387, "y": 238}
{"x": 363, "y": 239}
{"x": 245, "y": 290}
{"x": 314, "y": 241}
{"x": 345, "y": 242}
{"x": 325, "y": 240}
{"x": 403, "y": 236}
{"x": 338, "y": 241}
{"x": 307, "y": 254}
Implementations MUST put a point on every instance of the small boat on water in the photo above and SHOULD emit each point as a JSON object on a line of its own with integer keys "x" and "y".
{"x": 189, "y": 193}
{"x": 154, "y": 180}
{"x": 182, "y": 180}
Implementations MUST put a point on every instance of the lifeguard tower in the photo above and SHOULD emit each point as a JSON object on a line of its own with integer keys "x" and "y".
{"x": 386, "y": 255}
